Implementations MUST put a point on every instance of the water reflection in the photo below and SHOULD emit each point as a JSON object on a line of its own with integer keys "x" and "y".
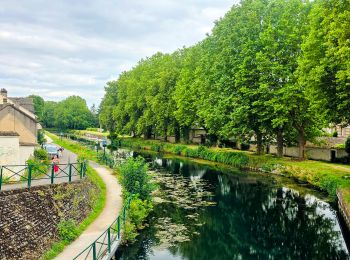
{"x": 253, "y": 219}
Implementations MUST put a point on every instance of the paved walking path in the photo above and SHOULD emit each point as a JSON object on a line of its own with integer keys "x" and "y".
{"x": 60, "y": 177}
{"x": 108, "y": 215}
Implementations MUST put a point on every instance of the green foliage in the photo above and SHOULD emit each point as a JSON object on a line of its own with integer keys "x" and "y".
{"x": 70, "y": 113}
{"x": 41, "y": 155}
{"x": 67, "y": 230}
{"x": 178, "y": 149}
{"x": 39, "y": 106}
{"x": 129, "y": 232}
{"x": 139, "y": 211}
{"x": 329, "y": 184}
{"x": 41, "y": 137}
{"x": 250, "y": 77}
{"x": 135, "y": 179}
{"x": 157, "y": 147}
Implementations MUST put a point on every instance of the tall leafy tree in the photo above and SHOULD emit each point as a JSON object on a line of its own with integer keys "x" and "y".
{"x": 325, "y": 65}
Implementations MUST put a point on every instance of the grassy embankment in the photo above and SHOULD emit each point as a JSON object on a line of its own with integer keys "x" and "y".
{"x": 99, "y": 205}
{"x": 326, "y": 176}
{"x": 89, "y": 132}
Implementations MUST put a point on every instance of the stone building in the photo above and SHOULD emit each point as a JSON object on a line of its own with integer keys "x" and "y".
{"x": 18, "y": 129}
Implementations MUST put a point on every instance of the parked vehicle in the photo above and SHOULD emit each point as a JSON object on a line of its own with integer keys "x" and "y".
{"x": 52, "y": 150}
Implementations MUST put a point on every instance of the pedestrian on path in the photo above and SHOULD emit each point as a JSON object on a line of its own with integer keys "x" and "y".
{"x": 55, "y": 161}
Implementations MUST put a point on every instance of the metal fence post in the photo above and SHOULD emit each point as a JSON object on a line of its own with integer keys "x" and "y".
{"x": 52, "y": 173}
{"x": 118, "y": 227}
{"x": 94, "y": 256}
{"x": 29, "y": 175}
{"x": 84, "y": 169}
{"x": 1, "y": 170}
{"x": 81, "y": 170}
{"x": 70, "y": 173}
{"x": 109, "y": 239}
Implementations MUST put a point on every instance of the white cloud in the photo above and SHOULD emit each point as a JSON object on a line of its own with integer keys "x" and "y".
{"x": 61, "y": 48}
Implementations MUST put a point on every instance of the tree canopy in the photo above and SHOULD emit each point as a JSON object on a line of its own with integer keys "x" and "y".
{"x": 70, "y": 113}
{"x": 270, "y": 70}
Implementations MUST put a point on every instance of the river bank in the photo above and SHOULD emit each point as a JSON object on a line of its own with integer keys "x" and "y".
{"x": 204, "y": 211}
{"x": 326, "y": 176}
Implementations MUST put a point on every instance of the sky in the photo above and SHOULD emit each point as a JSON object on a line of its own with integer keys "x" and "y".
{"x": 73, "y": 47}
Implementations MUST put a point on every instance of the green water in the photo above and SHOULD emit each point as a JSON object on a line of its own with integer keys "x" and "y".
{"x": 206, "y": 213}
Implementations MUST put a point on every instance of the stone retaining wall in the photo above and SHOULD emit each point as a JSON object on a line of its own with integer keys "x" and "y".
{"x": 343, "y": 208}
{"x": 29, "y": 217}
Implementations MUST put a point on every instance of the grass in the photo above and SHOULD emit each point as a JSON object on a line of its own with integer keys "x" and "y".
{"x": 93, "y": 176}
{"x": 95, "y": 133}
{"x": 324, "y": 176}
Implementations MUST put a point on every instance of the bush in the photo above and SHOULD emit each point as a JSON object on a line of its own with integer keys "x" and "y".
{"x": 139, "y": 211}
{"x": 177, "y": 149}
{"x": 67, "y": 230}
{"x": 329, "y": 184}
{"x": 41, "y": 137}
{"x": 157, "y": 147}
{"x": 135, "y": 179}
{"x": 41, "y": 154}
{"x": 129, "y": 232}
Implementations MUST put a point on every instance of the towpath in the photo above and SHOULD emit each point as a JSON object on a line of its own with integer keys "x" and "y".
{"x": 110, "y": 212}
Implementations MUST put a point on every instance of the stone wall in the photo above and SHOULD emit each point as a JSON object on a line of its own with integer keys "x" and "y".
{"x": 344, "y": 206}
{"x": 29, "y": 217}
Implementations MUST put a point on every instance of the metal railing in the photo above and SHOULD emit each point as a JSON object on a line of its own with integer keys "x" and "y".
{"x": 106, "y": 244}
{"x": 30, "y": 173}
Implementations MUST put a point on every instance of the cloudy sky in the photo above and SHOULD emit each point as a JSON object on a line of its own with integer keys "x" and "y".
{"x": 60, "y": 48}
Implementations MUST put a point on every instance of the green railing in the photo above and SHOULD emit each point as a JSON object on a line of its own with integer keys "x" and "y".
{"x": 31, "y": 174}
{"x": 108, "y": 241}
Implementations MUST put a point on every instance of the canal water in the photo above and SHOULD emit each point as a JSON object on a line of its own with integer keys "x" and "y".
{"x": 203, "y": 212}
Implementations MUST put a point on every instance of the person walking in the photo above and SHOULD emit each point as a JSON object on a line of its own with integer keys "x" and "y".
{"x": 55, "y": 161}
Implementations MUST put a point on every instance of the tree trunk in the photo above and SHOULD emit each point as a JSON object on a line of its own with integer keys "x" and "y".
{"x": 279, "y": 142}
{"x": 165, "y": 134}
{"x": 148, "y": 133}
{"x": 259, "y": 148}
{"x": 177, "y": 133}
{"x": 302, "y": 142}
{"x": 186, "y": 133}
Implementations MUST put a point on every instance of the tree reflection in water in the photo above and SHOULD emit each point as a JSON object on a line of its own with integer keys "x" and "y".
{"x": 253, "y": 219}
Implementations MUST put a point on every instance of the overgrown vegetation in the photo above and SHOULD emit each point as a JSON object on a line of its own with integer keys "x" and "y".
{"x": 136, "y": 182}
{"x": 325, "y": 176}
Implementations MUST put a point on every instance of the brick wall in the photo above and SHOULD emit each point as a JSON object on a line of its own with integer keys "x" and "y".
{"x": 29, "y": 218}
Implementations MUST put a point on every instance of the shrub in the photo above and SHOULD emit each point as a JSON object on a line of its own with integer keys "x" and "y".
{"x": 157, "y": 147}
{"x": 41, "y": 137}
{"x": 41, "y": 154}
{"x": 188, "y": 152}
{"x": 177, "y": 149}
{"x": 139, "y": 211}
{"x": 135, "y": 179}
{"x": 67, "y": 230}
{"x": 329, "y": 184}
{"x": 129, "y": 232}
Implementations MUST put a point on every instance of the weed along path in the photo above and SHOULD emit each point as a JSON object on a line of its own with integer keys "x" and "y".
{"x": 110, "y": 212}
